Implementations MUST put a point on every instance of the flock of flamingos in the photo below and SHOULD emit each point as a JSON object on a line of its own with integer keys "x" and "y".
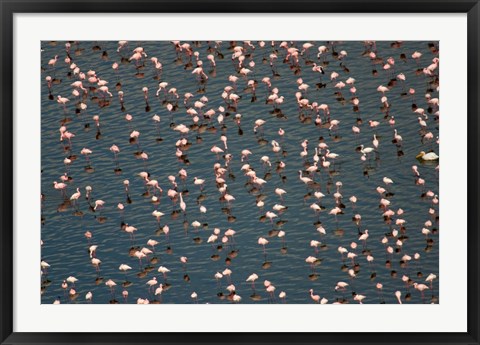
{"x": 192, "y": 113}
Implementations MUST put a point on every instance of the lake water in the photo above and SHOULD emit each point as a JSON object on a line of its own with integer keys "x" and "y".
{"x": 64, "y": 223}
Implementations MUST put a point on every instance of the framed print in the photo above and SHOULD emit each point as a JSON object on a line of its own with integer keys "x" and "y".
{"x": 254, "y": 172}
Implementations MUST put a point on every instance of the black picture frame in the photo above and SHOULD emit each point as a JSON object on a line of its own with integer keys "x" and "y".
{"x": 10, "y": 7}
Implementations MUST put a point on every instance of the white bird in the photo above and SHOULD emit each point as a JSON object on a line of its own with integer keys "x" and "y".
{"x": 366, "y": 150}
{"x": 387, "y": 181}
{"x": 359, "y": 298}
{"x": 398, "y": 294}
{"x": 280, "y": 192}
{"x": 431, "y": 156}
{"x": 124, "y": 267}
{"x": 304, "y": 179}
{"x": 341, "y": 286}
{"x": 252, "y": 277}
{"x": 163, "y": 270}
{"x": 152, "y": 282}
{"x": 92, "y": 250}
{"x": 159, "y": 290}
{"x": 278, "y": 207}
{"x": 72, "y": 280}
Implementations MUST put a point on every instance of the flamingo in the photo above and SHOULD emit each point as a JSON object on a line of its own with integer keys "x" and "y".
{"x": 304, "y": 179}
{"x": 183, "y": 206}
{"x": 263, "y": 242}
{"x": 315, "y": 298}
